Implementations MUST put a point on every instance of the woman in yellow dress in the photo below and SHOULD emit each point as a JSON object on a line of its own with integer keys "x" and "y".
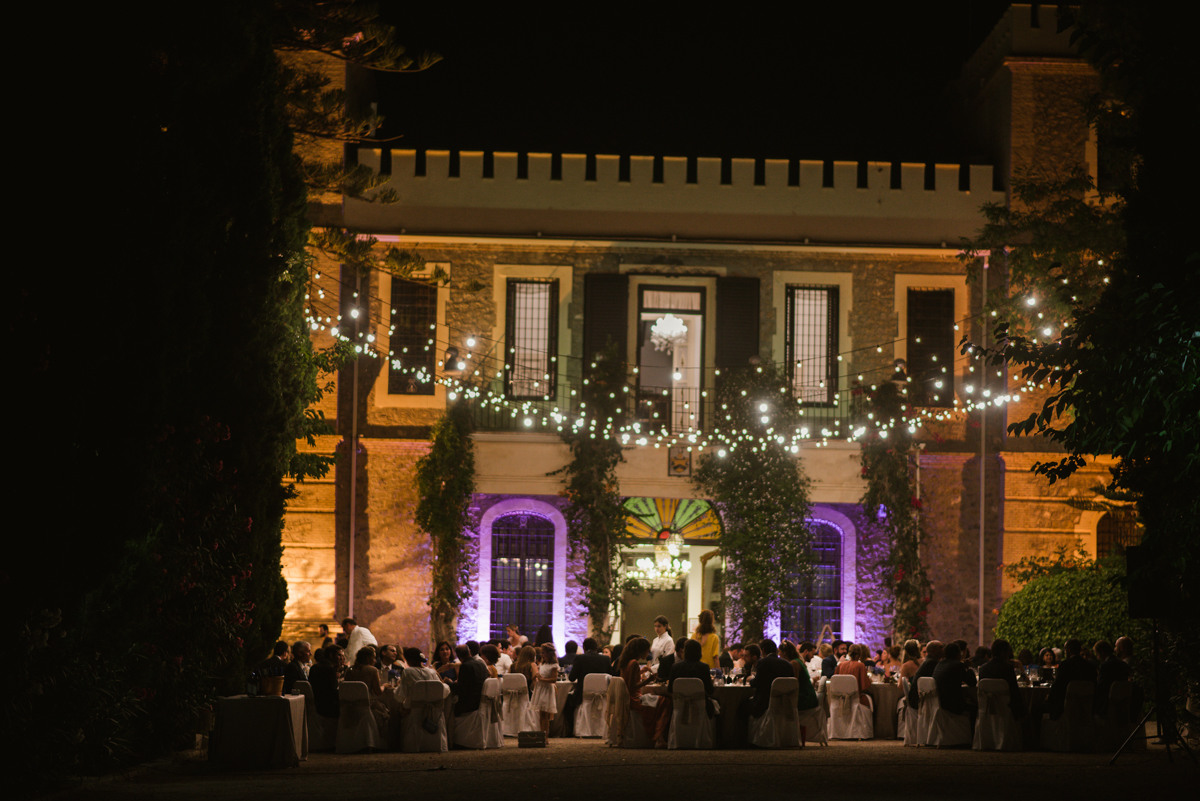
{"x": 710, "y": 643}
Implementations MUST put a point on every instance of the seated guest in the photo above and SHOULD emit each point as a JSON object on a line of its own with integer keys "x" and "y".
{"x": 1025, "y": 657}
{"x": 389, "y": 660}
{"x": 981, "y": 657}
{"x": 615, "y": 658}
{"x": 526, "y": 665}
{"x": 910, "y": 660}
{"x": 829, "y": 663}
{"x": 729, "y": 659}
{"x": 324, "y": 680}
{"x": 590, "y": 661}
{"x": 364, "y": 670}
{"x": 689, "y": 666}
{"x": 490, "y": 655}
{"x": 853, "y": 666}
{"x": 950, "y": 675}
{"x": 416, "y": 671}
{"x": 568, "y": 659}
{"x": 443, "y": 660}
{"x": 1124, "y": 650}
{"x": 1047, "y": 658}
{"x": 668, "y": 661}
{"x": 766, "y": 669}
{"x": 473, "y": 648}
{"x": 505, "y": 662}
{"x": 278, "y": 659}
{"x": 808, "y": 693}
{"x": 655, "y": 718}
{"x": 468, "y": 686}
{"x": 1073, "y": 668}
{"x": 933, "y": 655}
{"x": 297, "y": 669}
{"x": 1000, "y": 666}
{"x": 1111, "y": 669}
{"x": 751, "y": 654}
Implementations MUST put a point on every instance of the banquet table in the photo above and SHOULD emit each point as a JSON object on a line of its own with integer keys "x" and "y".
{"x": 728, "y": 697}
{"x": 266, "y": 731}
{"x": 885, "y": 697}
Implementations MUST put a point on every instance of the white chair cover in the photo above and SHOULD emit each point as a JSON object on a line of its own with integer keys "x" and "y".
{"x": 848, "y": 718}
{"x": 322, "y": 731}
{"x": 995, "y": 729}
{"x": 779, "y": 727}
{"x": 470, "y": 730}
{"x": 493, "y": 709}
{"x": 1075, "y": 730}
{"x": 427, "y": 701}
{"x": 815, "y": 722}
{"x": 589, "y": 717}
{"x": 516, "y": 704}
{"x": 616, "y": 716}
{"x": 356, "y": 727}
{"x": 1119, "y": 719}
{"x": 927, "y": 709}
{"x": 906, "y": 718}
{"x": 691, "y": 726}
{"x": 941, "y": 728}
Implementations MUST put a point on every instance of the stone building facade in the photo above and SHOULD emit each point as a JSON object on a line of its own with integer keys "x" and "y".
{"x": 552, "y": 254}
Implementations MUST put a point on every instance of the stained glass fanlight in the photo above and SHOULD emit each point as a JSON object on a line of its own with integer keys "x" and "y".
{"x": 669, "y": 523}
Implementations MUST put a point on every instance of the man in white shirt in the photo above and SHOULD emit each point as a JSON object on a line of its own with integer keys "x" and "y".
{"x": 359, "y": 636}
{"x": 504, "y": 663}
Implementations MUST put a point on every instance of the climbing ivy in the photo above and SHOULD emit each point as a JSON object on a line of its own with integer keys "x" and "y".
{"x": 446, "y": 482}
{"x": 762, "y": 492}
{"x": 595, "y": 516}
{"x": 892, "y": 500}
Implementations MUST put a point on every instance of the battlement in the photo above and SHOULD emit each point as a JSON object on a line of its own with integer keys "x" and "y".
{"x": 1024, "y": 30}
{"x": 759, "y": 200}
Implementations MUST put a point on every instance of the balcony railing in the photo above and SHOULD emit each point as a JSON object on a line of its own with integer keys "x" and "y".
{"x": 673, "y": 410}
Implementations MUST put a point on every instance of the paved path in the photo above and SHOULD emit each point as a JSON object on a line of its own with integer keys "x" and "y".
{"x": 585, "y": 769}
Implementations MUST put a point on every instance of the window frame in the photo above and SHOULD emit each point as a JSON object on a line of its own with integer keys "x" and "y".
{"x": 511, "y": 323}
{"x": 832, "y": 341}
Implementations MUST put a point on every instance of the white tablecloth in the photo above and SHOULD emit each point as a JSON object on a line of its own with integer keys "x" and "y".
{"x": 260, "y": 732}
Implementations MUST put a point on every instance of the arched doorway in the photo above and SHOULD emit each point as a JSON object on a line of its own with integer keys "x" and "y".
{"x": 816, "y": 601}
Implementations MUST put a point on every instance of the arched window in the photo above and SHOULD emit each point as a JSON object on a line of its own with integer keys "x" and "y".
{"x": 522, "y": 573}
{"x": 811, "y": 604}
{"x": 1116, "y": 531}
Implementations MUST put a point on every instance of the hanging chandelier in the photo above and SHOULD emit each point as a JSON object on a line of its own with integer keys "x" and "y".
{"x": 665, "y": 570}
{"x": 668, "y": 333}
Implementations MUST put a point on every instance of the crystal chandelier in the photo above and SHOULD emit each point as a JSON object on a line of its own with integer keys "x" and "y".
{"x": 667, "y": 333}
{"x": 665, "y": 570}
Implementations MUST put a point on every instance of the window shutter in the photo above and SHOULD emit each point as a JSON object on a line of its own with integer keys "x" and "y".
{"x": 605, "y": 314}
{"x": 737, "y": 322}
{"x": 552, "y": 341}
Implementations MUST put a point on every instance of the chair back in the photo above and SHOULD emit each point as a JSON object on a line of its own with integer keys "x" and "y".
{"x": 595, "y": 683}
{"x": 351, "y": 691}
{"x": 926, "y": 687}
{"x": 843, "y": 685}
{"x": 426, "y": 692}
{"x": 688, "y": 697}
{"x": 305, "y": 689}
{"x": 993, "y": 696}
{"x": 786, "y": 692}
{"x": 514, "y": 681}
{"x": 491, "y": 688}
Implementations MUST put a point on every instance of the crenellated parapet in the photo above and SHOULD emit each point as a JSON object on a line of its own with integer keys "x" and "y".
{"x": 764, "y": 200}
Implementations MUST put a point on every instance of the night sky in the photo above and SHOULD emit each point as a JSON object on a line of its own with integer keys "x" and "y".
{"x": 854, "y": 81}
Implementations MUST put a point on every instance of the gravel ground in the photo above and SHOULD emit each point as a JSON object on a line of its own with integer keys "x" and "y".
{"x": 584, "y": 769}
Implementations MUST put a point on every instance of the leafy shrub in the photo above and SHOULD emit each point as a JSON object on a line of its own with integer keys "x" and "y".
{"x": 1087, "y": 603}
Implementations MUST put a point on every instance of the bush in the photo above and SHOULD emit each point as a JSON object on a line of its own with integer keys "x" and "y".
{"x": 1089, "y": 604}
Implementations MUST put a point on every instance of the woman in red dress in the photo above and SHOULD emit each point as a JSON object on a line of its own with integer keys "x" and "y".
{"x": 655, "y": 718}
{"x": 854, "y": 667}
